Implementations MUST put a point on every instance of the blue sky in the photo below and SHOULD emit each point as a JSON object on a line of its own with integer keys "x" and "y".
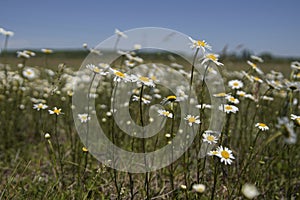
{"x": 259, "y": 25}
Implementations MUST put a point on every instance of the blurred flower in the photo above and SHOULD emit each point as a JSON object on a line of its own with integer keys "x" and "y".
{"x": 97, "y": 70}
{"x": 55, "y": 111}
{"x": 250, "y": 191}
{"x": 6, "y": 33}
{"x": 200, "y": 188}
{"x": 192, "y": 119}
{"x": 241, "y": 93}
{"x": 40, "y": 106}
{"x": 199, "y": 44}
{"x": 254, "y": 66}
{"x": 47, "y": 51}
{"x": 287, "y": 129}
{"x": 47, "y": 136}
{"x": 256, "y": 58}
{"x": 262, "y": 126}
{"x": 295, "y": 65}
{"x": 85, "y": 150}
{"x": 144, "y": 100}
{"x": 183, "y": 187}
{"x": 165, "y": 113}
{"x": 235, "y": 84}
{"x": 256, "y": 79}
{"x": 225, "y": 154}
{"x": 28, "y": 73}
{"x": 120, "y": 34}
{"x": 212, "y": 153}
{"x": 84, "y": 117}
{"x": 222, "y": 94}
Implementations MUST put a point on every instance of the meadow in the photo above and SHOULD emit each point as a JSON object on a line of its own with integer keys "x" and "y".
{"x": 254, "y": 156}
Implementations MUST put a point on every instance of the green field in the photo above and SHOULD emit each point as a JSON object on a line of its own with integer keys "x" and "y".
{"x": 33, "y": 166}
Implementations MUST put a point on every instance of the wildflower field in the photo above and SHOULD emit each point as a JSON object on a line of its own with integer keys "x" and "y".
{"x": 51, "y": 101}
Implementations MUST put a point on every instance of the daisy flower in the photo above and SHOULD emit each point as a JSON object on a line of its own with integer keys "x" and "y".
{"x": 40, "y": 106}
{"x": 235, "y": 84}
{"x": 225, "y": 154}
{"x": 120, "y": 76}
{"x": 192, "y": 119}
{"x": 47, "y": 136}
{"x": 22, "y": 54}
{"x": 212, "y": 153}
{"x": 208, "y": 106}
{"x": 144, "y": 100}
{"x": 28, "y": 73}
{"x": 241, "y": 93}
{"x": 262, "y": 126}
{"x": 47, "y": 51}
{"x": 120, "y": 33}
{"x": 209, "y": 138}
{"x": 84, "y": 117}
{"x": 143, "y": 80}
{"x": 231, "y": 99}
{"x": 254, "y": 66}
{"x": 295, "y": 65}
{"x": 212, "y": 57}
{"x": 256, "y": 58}
{"x": 199, "y": 44}
{"x": 228, "y": 108}
{"x": 256, "y": 79}
{"x": 55, "y": 111}
{"x": 85, "y": 150}
{"x": 98, "y": 70}
{"x": 267, "y": 98}
{"x": 222, "y": 94}
{"x": 165, "y": 113}
{"x": 130, "y": 63}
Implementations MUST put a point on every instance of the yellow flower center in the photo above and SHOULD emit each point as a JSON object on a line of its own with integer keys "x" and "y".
{"x": 225, "y": 154}
{"x": 96, "y": 70}
{"x": 56, "y": 111}
{"x": 120, "y": 74}
{"x": 228, "y": 107}
{"x": 236, "y": 84}
{"x": 231, "y": 99}
{"x": 144, "y": 79}
{"x": 166, "y": 113}
{"x": 210, "y": 138}
{"x": 262, "y": 125}
{"x": 40, "y": 106}
{"x": 192, "y": 119}
{"x": 84, "y": 149}
{"x": 212, "y": 57}
{"x": 200, "y": 43}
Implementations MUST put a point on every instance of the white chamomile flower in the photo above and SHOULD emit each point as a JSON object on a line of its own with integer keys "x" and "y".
{"x": 47, "y": 51}
{"x": 262, "y": 126}
{"x": 207, "y": 137}
{"x": 143, "y": 80}
{"x": 212, "y": 57}
{"x": 228, "y": 108}
{"x": 235, "y": 84}
{"x": 165, "y": 113}
{"x": 40, "y": 106}
{"x": 98, "y": 70}
{"x": 233, "y": 100}
{"x": 84, "y": 117}
{"x": 192, "y": 119}
{"x": 120, "y": 76}
{"x": 144, "y": 99}
{"x": 199, "y": 44}
{"x": 120, "y": 33}
{"x": 28, "y": 73}
{"x": 225, "y": 155}
{"x": 55, "y": 111}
